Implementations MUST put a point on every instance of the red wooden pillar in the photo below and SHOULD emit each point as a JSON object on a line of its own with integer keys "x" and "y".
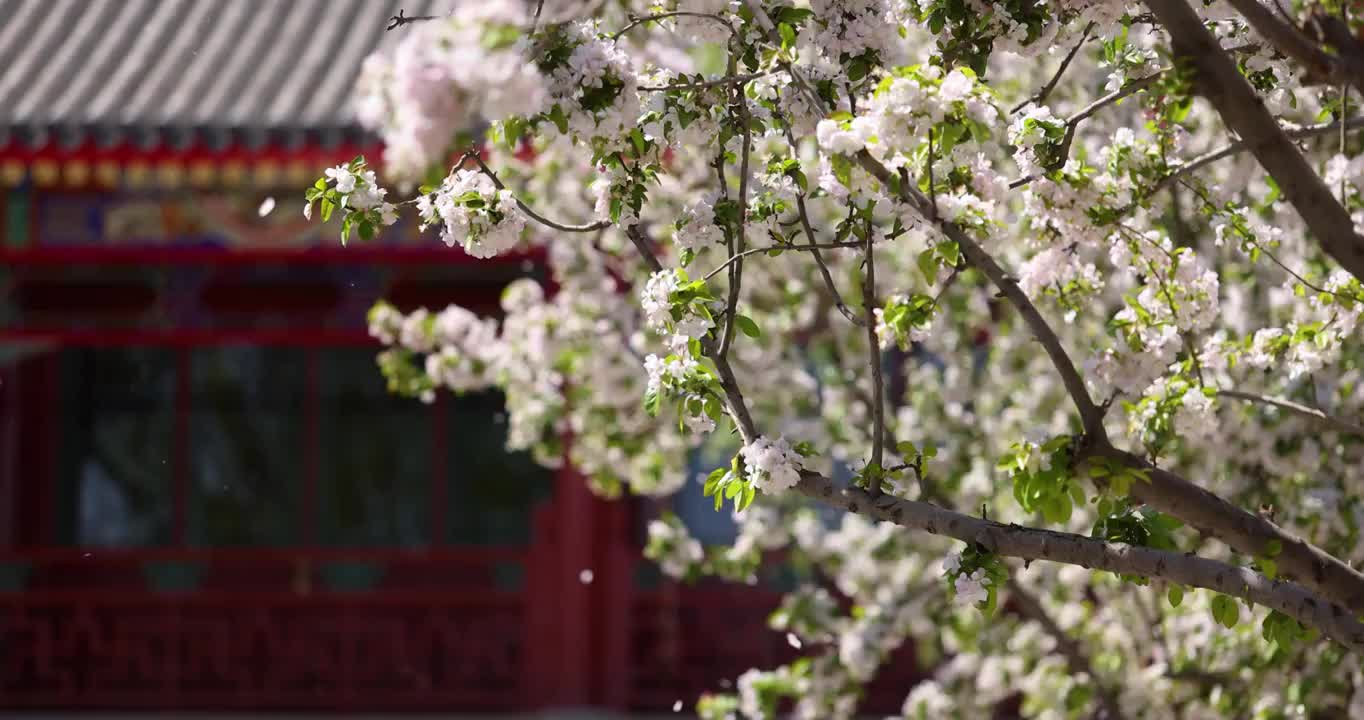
{"x": 574, "y": 505}
{"x": 181, "y": 469}
{"x": 9, "y": 448}
{"x": 577, "y": 630}
{"x": 616, "y": 603}
{"x": 36, "y": 472}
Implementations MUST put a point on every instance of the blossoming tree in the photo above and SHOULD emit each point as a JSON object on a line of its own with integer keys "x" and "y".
{"x": 1070, "y": 289}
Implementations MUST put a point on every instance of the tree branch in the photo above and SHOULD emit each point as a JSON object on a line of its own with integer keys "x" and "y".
{"x": 1335, "y": 423}
{"x": 641, "y": 243}
{"x": 1051, "y": 84}
{"x": 400, "y": 20}
{"x": 537, "y": 217}
{"x": 1220, "y": 81}
{"x": 1073, "y": 122}
{"x": 1035, "y": 544}
{"x": 1241, "y": 146}
{"x": 1291, "y": 41}
{"x": 637, "y": 21}
{"x": 1029, "y": 607}
{"x": 804, "y": 216}
{"x": 727, "y": 80}
{"x": 1244, "y": 532}
{"x": 878, "y": 391}
{"x": 792, "y": 247}
{"x": 736, "y": 272}
{"x": 1208, "y": 513}
{"x": 1091, "y": 415}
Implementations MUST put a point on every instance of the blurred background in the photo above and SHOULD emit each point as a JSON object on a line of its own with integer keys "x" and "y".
{"x": 208, "y": 500}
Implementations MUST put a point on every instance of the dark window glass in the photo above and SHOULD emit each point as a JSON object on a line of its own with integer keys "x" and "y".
{"x": 374, "y": 475}
{"x": 248, "y": 444}
{"x": 115, "y": 447}
{"x": 492, "y": 491}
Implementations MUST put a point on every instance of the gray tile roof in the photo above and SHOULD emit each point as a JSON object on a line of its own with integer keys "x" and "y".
{"x": 153, "y": 71}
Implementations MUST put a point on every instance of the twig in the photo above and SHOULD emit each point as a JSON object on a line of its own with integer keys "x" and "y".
{"x": 1207, "y": 201}
{"x": 804, "y": 217}
{"x": 1051, "y": 84}
{"x": 727, "y": 80}
{"x": 1241, "y": 146}
{"x": 1306, "y": 411}
{"x": 637, "y": 21}
{"x": 792, "y": 247}
{"x": 535, "y": 22}
{"x": 1218, "y": 78}
{"x": 400, "y": 20}
{"x": 537, "y": 217}
{"x": 1073, "y": 122}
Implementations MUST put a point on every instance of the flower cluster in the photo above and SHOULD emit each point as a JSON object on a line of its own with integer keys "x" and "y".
{"x": 773, "y": 465}
{"x": 421, "y": 94}
{"x": 474, "y": 213}
{"x": 353, "y": 189}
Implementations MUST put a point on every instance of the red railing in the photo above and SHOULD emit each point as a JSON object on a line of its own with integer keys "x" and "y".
{"x": 316, "y": 629}
{"x": 690, "y": 641}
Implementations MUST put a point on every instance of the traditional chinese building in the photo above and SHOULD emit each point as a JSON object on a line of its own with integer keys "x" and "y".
{"x": 208, "y": 500}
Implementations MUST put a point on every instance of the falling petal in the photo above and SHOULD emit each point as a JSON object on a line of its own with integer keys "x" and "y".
{"x": 585, "y": 577}
{"x": 792, "y": 640}
{"x": 266, "y": 206}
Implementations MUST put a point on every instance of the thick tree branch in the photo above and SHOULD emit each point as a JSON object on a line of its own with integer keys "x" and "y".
{"x": 1246, "y": 533}
{"x": 878, "y": 391}
{"x": 1208, "y": 513}
{"x": 1331, "y": 421}
{"x": 736, "y": 270}
{"x": 1291, "y": 41}
{"x": 1034, "y": 544}
{"x": 1219, "y": 80}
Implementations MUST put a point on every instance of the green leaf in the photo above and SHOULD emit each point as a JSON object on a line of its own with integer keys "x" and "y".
{"x": 788, "y": 35}
{"x": 747, "y": 325}
{"x": 928, "y": 265}
{"x": 1224, "y": 611}
{"x": 907, "y": 449}
{"x": 746, "y": 498}
{"x": 1273, "y": 548}
{"x": 842, "y": 167}
{"x": 1175, "y": 594}
{"x": 950, "y": 251}
{"x": 560, "y": 120}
